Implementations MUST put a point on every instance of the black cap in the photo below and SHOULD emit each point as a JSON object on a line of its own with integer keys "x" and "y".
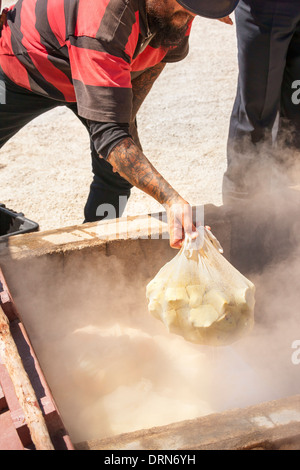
{"x": 214, "y": 9}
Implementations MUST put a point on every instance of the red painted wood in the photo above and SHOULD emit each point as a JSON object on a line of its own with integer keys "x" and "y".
{"x": 9, "y": 439}
{"x": 58, "y": 434}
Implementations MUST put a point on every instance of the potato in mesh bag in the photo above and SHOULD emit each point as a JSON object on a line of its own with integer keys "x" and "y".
{"x": 201, "y": 296}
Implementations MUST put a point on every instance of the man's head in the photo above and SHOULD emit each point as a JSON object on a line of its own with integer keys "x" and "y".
{"x": 170, "y": 19}
{"x": 214, "y": 9}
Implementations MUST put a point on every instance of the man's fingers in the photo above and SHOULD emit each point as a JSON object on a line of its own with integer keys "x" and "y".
{"x": 176, "y": 244}
{"x": 226, "y": 20}
{"x": 194, "y": 234}
{"x": 177, "y": 233}
{"x": 181, "y": 224}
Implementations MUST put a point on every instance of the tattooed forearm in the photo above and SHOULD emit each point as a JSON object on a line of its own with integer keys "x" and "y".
{"x": 127, "y": 157}
{"x": 130, "y": 162}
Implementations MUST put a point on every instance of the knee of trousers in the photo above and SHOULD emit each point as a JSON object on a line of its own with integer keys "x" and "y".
{"x": 105, "y": 202}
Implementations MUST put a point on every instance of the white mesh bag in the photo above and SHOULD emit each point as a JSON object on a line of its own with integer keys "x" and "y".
{"x": 201, "y": 296}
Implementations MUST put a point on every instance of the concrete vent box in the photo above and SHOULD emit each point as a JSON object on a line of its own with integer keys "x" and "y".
{"x": 118, "y": 380}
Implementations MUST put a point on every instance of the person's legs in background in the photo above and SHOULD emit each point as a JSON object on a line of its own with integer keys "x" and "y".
{"x": 264, "y": 34}
{"x": 289, "y": 124}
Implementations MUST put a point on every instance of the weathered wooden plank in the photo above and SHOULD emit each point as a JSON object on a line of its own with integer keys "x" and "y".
{"x": 23, "y": 388}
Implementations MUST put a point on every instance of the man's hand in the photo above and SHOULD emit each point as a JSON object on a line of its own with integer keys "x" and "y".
{"x": 226, "y": 20}
{"x": 180, "y": 221}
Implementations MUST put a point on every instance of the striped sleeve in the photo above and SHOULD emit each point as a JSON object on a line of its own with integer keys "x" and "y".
{"x": 100, "y": 52}
{"x": 101, "y": 80}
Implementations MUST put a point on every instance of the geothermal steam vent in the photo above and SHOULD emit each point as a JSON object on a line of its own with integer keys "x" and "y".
{"x": 112, "y": 368}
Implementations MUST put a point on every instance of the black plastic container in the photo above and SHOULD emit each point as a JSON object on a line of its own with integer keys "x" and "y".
{"x": 13, "y": 223}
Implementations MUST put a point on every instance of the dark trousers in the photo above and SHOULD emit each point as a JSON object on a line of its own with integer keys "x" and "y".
{"x": 268, "y": 35}
{"x": 109, "y": 192}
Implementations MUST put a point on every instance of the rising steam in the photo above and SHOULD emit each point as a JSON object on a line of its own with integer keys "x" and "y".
{"x": 113, "y": 369}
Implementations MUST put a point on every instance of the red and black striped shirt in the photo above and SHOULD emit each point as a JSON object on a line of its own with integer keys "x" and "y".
{"x": 84, "y": 51}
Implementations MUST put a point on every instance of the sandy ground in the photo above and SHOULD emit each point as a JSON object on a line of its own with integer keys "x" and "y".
{"x": 45, "y": 170}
